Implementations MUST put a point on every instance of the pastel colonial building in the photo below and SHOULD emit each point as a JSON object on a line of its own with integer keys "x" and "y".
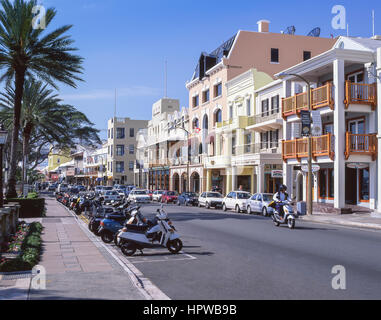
{"x": 345, "y": 146}
{"x": 217, "y": 130}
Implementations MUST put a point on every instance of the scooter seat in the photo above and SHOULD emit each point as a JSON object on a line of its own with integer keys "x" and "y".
{"x": 135, "y": 228}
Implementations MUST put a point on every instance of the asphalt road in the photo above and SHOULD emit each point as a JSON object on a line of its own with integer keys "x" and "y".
{"x": 232, "y": 256}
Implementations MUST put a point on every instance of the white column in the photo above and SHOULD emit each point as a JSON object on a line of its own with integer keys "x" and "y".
{"x": 288, "y": 178}
{"x": 261, "y": 178}
{"x": 315, "y": 193}
{"x": 304, "y": 186}
{"x": 234, "y": 178}
{"x": 372, "y": 184}
{"x": 339, "y": 133}
{"x": 378, "y": 189}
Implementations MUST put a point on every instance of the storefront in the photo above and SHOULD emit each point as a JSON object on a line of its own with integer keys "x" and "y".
{"x": 273, "y": 178}
{"x": 158, "y": 179}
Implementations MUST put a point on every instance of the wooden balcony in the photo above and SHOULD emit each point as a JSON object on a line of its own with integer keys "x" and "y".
{"x": 360, "y": 93}
{"x": 361, "y": 144}
{"x": 298, "y": 149}
{"x": 320, "y": 97}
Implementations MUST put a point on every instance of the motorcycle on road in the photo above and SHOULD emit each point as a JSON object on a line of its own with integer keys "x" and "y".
{"x": 289, "y": 216}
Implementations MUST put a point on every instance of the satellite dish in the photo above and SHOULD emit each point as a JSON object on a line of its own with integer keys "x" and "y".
{"x": 290, "y": 30}
{"x": 314, "y": 33}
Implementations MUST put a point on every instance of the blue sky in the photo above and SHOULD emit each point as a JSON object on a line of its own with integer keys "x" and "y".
{"x": 125, "y": 43}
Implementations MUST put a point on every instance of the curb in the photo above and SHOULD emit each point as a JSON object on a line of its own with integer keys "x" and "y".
{"x": 143, "y": 284}
{"x": 345, "y": 223}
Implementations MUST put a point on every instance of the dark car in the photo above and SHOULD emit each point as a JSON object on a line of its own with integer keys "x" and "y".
{"x": 188, "y": 198}
{"x": 169, "y": 196}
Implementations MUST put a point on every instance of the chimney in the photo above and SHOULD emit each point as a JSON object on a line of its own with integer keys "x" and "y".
{"x": 263, "y": 26}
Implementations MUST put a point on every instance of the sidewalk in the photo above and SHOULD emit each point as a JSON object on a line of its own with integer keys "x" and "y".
{"x": 75, "y": 267}
{"x": 365, "y": 220}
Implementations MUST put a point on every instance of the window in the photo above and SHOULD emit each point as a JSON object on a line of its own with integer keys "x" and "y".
{"x": 120, "y": 150}
{"x": 195, "y": 123}
{"x": 306, "y": 55}
{"x": 234, "y": 145}
{"x": 218, "y": 116}
{"x": 132, "y": 132}
{"x": 108, "y": 133}
{"x": 265, "y": 108}
{"x": 275, "y": 104}
{"x": 120, "y": 133}
{"x": 218, "y": 90}
{"x": 131, "y": 149}
{"x": 206, "y": 96}
{"x": 231, "y": 112}
{"x": 119, "y": 166}
{"x": 274, "y": 55}
{"x": 131, "y": 166}
{"x": 248, "y": 107}
{"x": 264, "y": 140}
{"x": 196, "y": 101}
{"x": 112, "y": 133}
{"x": 247, "y": 142}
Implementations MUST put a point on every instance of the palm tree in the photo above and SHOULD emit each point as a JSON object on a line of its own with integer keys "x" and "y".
{"x": 44, "y": 118}
{"x": 26, "y": 52}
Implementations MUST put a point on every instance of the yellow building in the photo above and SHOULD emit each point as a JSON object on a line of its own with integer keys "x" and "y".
{"x": 58, "y": 157}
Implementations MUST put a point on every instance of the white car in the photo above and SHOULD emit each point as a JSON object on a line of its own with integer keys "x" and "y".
{"x": 121, "y": 192}
{"x": 259, "y": 203}
{"x": 139, "y": 196}
{"x": 156, "y": 196}
{"x": 112, "y": 195}
{"x": 63, "y": 187}
{"x": 106, "y": 189}
{"x": 210, "y": 200}
{"x": 236, "y": 200}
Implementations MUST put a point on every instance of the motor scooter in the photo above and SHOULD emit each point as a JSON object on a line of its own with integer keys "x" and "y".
{"x": 158, "y": 234}
{"x": 289, "y": 216}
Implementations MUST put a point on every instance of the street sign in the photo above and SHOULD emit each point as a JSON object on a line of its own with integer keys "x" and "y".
{"x": 305, "y": 116}
{"x": 315, "y": 168}
{"x": 317, "y": 126}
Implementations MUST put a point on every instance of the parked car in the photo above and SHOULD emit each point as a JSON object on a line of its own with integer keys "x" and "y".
{"x": 81, "y": 188}
{"x": 121, "y": 192}
{"x": 63, "y": 187}
{"x": 156, "y": 196}
{"x": 210, "y": 200}
{"x": 169, "y": 196}
{"x": 106, "y": 189}
{"x": 259, "y": 203}
{"x": 98, "y": 190}
{"x": 112, "y": 195}
{"x": 139, "y": 195}
{"x": 236, "y": 200}
{"x": 188, "y": 199}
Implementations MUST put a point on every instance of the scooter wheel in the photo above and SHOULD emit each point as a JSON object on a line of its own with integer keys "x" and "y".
{"x": 107, "y": 237}
{"x": 116, "y": 240}
{"x": 174, "y": 246}
{"x": 128, "y": 250}
{"x": 291, "y": 224}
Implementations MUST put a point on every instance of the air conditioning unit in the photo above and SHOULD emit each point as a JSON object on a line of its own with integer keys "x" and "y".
{"x": 274, "y": 150}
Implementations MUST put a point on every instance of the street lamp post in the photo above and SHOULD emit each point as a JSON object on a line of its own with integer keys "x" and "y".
{"x": 3, "y": 140}
{"x": 310, "y": 176}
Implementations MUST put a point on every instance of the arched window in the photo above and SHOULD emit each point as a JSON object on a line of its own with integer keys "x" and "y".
{"x": 218, "y": 116}
{"x": 205, "y": 123}
{"x": 200, "y": 149}
{"x": 195, "y": 124}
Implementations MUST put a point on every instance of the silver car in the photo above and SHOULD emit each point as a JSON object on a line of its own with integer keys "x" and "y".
{"x": 259, "y": 203}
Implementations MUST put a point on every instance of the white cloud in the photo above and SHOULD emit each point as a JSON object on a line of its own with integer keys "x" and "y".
{"x": 135, "y": 91}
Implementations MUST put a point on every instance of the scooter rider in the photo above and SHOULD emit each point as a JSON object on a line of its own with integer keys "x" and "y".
{"x": 279, "y": 197}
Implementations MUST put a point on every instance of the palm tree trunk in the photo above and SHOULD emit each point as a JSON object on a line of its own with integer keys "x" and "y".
{"x": 19, "y": 88}
{"x": 25, "y": 150}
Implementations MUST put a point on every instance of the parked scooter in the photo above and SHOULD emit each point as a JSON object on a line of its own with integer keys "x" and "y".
{"x": 289, "y": 216}
{"x": 161, "y": 234}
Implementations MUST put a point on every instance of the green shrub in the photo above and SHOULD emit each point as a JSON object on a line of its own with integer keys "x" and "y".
{"x": 31, "y": 251}
{"x": 30, "y": 208}
{"x": 32, "y": 195}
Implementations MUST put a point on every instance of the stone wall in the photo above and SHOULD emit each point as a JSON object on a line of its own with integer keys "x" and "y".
{"x": 9, "y": 216}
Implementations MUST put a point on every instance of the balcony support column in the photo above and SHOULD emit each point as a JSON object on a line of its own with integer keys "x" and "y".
{"x": 234, "y": 178}
{"x": 339, "y": 133}
{"x": 372, "y": 184}
{"x": 288, "y": 178}
{"x": 378, "y": 203}
{"x": 261, "y": 178}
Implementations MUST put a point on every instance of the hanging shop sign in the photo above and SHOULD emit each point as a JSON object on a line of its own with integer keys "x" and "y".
{"x": 305, "y": 117}
{"x": 315, "y": 168}
{"x": 277, "y": 174}
{"x": 317, "y": 126}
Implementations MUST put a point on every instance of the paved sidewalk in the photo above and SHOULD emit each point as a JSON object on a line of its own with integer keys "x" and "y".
{"x": 367, "y": 221}
{"x": 76, "y": 268}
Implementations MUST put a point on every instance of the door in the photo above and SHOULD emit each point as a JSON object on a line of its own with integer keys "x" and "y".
{"x": 359, "y": 143}
{"x": 356, "y": 91}
{"x": 258, "y": 206}
{"x": 351, "y": 188}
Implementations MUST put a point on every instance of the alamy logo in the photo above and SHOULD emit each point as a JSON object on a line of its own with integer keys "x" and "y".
{"x": 339, "y": 20}
{"x": 39, "y": 20}
{"x": 339, "y": 281}
{"x": 39, "y": 278}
